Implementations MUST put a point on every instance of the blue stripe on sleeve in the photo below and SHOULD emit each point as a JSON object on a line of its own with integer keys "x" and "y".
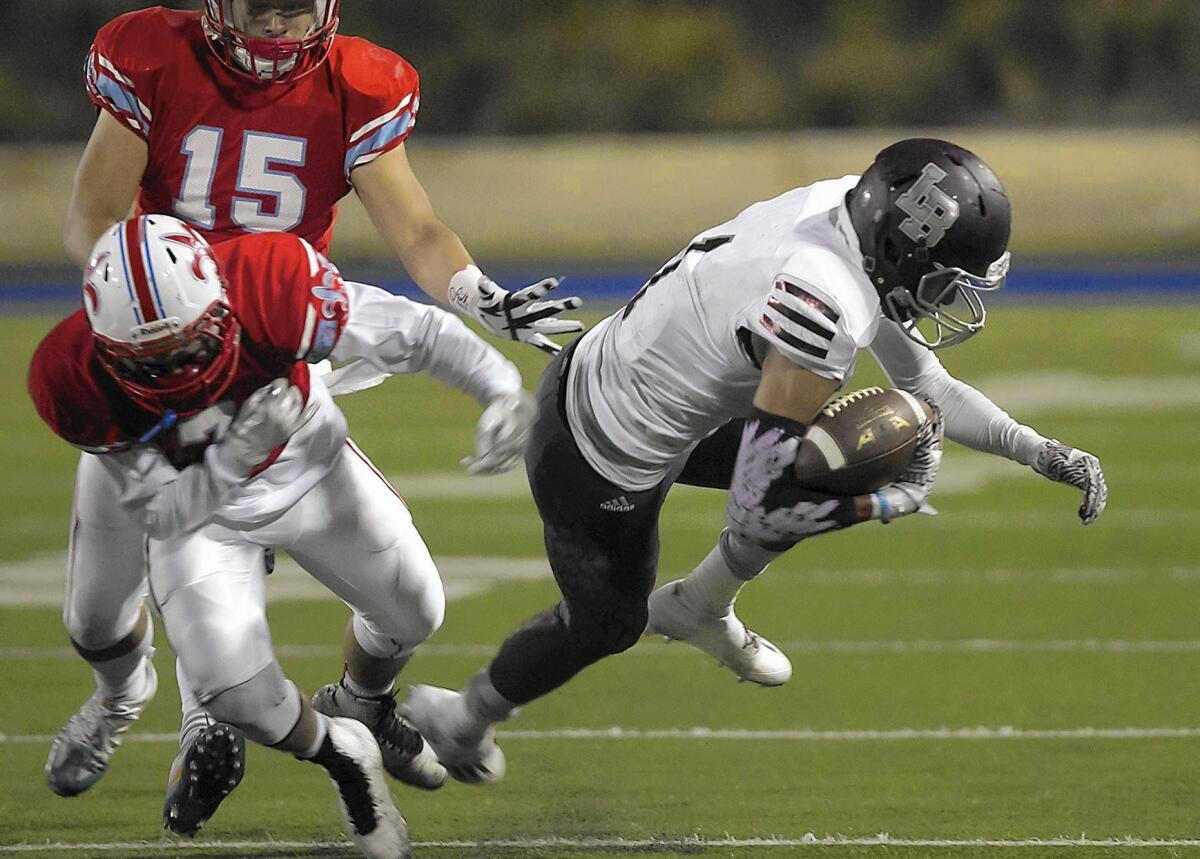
{"x": 384, "y": 135}
{"x": 122, "y": 99}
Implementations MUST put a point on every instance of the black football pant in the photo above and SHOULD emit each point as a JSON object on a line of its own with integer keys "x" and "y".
{"x": 602, "y": 543}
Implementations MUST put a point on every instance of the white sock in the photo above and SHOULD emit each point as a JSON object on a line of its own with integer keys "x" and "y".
{"x": 483, "y": 704}
{"x": 128, "y": 676}
{"x": 322, "y": 733}
{"x": 361, "y": 691}
{"x": 195, "y": 717}
{"x": 712, "y": 587}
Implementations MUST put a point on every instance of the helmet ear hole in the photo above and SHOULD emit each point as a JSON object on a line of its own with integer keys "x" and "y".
{"x": 892, "y": 252}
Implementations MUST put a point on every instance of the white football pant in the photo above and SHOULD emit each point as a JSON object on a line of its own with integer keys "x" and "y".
{"x": 351, "y": 532}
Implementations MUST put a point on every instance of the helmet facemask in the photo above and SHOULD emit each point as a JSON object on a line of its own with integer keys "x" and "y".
{"x": 185, "y": 370}
{"x": 229, "y": 25}
{"x": 947, "y": 306}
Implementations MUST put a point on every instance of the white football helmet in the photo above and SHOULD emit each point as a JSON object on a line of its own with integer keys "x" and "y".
{"x": 156, "y": 303}
{"x": 265, "y": 59}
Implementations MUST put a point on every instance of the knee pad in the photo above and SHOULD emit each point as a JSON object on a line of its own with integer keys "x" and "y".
{"x": 394, "y": 630}
{"x": 614, "y": 630}
{"x": 132, "y": 647}
{"x": 266, "y": 707}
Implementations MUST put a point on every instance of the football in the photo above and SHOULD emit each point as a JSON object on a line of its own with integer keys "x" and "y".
{"x": 860, "y": 441}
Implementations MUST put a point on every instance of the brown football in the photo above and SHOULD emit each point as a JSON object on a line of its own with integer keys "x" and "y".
{"x": 860, "y": 441}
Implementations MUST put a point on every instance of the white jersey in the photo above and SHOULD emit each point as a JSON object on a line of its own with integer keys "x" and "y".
{"x": 651, "y": 381}
{"x": 682, "y": 361}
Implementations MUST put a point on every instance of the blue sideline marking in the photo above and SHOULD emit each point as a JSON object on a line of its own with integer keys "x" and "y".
{"x": 618, "y": 286}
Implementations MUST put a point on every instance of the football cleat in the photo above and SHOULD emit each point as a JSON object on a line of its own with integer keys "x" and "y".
{"x": 352, "y": 760}
{"x": 82, "y": 750}
{"x": 468, "y": 753}
{"x": 406, "y": 755}
{"x": 733, "y": 644}
{"x": 205, "y": 771}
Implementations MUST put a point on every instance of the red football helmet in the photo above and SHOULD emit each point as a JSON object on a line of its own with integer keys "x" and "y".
{"x": 156, "y": 303}
{"x": 267, "y": 59}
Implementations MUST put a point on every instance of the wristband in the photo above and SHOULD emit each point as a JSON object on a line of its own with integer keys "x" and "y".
{"x": 882, "y": 508}
{"x": 463, "y": 288}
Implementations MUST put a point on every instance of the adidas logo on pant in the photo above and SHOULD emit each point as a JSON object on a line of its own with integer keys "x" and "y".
{"x": 617, "y": 505}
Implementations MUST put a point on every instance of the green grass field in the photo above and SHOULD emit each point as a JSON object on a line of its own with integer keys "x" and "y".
{"x": 1002, "y": 621}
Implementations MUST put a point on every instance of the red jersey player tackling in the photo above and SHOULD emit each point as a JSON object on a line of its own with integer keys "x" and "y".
{"x": 250, "y": 116}
{"x": 186, "y": 378}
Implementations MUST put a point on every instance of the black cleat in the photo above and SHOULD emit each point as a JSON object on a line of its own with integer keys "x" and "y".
{"x": 202, "y": 776}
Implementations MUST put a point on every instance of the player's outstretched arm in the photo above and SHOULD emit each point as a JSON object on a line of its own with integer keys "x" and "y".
{"x": 106, "y": 181}
{"x": 396, "y": 335}
{"x": 436, "y": 259}
{"x": 975, "y": 421}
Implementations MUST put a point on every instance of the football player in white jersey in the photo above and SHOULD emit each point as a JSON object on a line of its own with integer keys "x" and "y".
{"x": 709, "y": 377}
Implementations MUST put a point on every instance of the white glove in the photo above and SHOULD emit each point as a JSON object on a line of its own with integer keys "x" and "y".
{"x": 501, "y": 434}
{"x": 1076, "y": 468}
{"x": 908, "y": 494}
{"x": 519, "y": 315}
{"x": 265, "y": 421}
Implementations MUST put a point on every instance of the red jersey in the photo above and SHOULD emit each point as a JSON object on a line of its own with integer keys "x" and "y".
{"x": 231, "y": 155}
{"x": 292, "y": 307}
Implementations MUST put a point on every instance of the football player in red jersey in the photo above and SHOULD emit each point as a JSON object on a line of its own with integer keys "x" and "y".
{"x": 186, "y": 380}
{"x": 255, "y": 116}
{"x": 249, "y": 116}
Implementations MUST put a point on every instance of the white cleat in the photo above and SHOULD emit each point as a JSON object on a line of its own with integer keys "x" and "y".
{"x": 406, "y": 755}
{"x": 352, "y": 760}
{"x": 468, "y": 754}
{"x": 733, "y": 644}
{"x": 82, "y": 750}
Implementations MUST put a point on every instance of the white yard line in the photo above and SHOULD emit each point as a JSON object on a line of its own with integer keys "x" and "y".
{"x": 802, "y": 735}
{"x": 38, "y": 581}
{"x": 639, "y": 844}
{"x": 970, "y": 645}
{"x": 655, "y": 648}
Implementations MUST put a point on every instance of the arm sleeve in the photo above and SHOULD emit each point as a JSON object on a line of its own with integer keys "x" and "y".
{"x": 166, "y": 502}
{"x": 396, "y": 335}
{"x": 970, "y": 417}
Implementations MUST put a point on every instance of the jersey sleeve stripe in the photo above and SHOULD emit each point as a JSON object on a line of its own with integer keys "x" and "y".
{"x": 126, "y": 84}
{"x": 313, "y": 265}
{"x": 800, "y": 319}
{"x": 380, "y": 120}
{"x": 772, "y": 327}
{"x": 390, "y": 134}
{"x": 310, "y": 324}
{"x": 809, "y": 299}
{"x": 116, "y": 94}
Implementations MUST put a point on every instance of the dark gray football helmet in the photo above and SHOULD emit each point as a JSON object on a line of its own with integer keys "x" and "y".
{"x": 933, "y": 223}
